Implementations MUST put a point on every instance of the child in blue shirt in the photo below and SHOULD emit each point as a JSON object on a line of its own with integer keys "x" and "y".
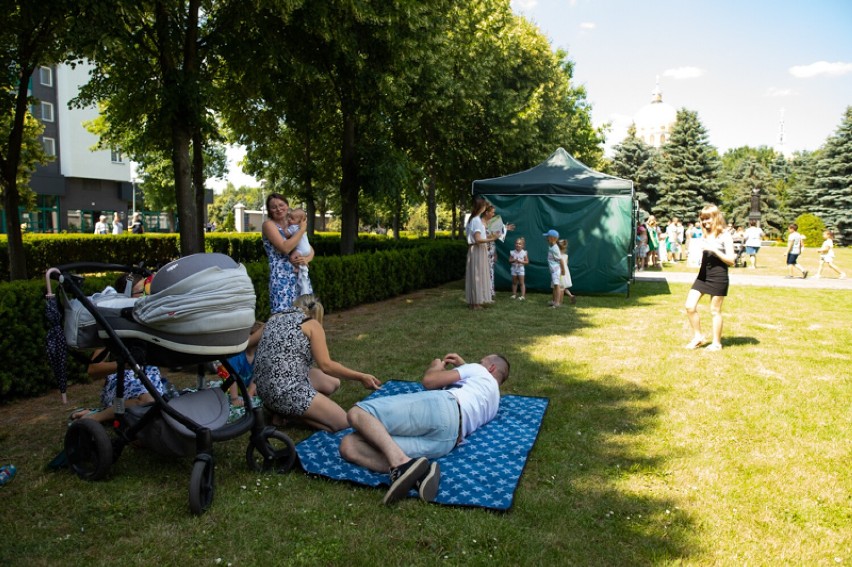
{"x": 554, "y": 262}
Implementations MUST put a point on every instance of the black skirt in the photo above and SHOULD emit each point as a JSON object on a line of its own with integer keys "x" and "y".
{"x": 712, "y": 276}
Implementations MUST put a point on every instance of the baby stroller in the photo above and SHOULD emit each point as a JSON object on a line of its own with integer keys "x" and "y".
{"x": 739, "y": 249}
{"x": 199, "y": 308}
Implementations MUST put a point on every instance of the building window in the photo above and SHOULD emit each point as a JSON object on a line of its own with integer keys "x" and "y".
{"x": 49, "y": 145}
{"x": 46, "y": 112}
{"x": 45, "y": 75}
{"x": 116, "y": 156}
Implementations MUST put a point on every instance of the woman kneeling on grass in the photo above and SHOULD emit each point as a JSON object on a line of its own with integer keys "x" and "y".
{"x": 717, "y": 255}
{"x": 289, "y": 386}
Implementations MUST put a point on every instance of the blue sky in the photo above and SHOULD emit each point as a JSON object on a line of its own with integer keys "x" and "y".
{"x": 736, "y": 63}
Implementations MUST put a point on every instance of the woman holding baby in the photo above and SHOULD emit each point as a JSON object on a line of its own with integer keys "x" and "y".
{"x": 280, "y": 247}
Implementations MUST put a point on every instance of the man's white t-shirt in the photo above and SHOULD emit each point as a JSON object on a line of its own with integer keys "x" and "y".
{"x": 478, "y": 395}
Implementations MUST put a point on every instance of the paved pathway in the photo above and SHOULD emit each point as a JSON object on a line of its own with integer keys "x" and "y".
{"x": 740, "y": 276}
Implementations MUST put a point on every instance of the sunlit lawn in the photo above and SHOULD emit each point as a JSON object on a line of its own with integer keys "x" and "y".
{"x": 649, "y": 454}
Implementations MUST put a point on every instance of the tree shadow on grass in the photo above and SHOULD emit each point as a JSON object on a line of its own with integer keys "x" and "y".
{"x": 590, "y": 490}
{"x": 590, "y": 493}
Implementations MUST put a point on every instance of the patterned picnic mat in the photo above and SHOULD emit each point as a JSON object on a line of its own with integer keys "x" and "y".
{"x": 484, "y": 471}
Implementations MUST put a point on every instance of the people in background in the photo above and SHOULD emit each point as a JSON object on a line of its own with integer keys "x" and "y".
{"x": 518, "y": 259}
{"x": 117, "y": 225}
{"x": 136, "y": 227}
{"x": 795, "y": 247}
{"x": 101, "y": 226}
{"x": 753, "y": 241}
{"x": 565, "y": 278}
{"x": 826, "y": 255}
{"x": 554, "y": 264}
{"x": 653, "y": 242}
{"x": 641, "y": 247}
{"x": 477, "y": 280}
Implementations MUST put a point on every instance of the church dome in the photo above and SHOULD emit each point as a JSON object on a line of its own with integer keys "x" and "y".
{"x": 654, "y": 121}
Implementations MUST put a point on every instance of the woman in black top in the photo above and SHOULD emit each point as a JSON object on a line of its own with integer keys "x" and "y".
{"x": 717, "y": 255}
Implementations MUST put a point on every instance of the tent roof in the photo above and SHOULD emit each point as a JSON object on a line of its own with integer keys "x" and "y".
{"x": 560, "y": 174}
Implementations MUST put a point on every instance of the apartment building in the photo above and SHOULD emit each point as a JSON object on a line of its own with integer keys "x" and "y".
{"x": 81, "y": 183}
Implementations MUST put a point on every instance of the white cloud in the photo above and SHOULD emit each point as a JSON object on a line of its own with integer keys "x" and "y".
{"x": 683, "y": 73}
{"x": 588, "y": 26}
{"x": 821, "y": 68}
{"x": 779, "y": 92}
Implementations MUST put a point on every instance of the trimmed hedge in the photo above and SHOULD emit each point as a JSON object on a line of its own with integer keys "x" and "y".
{"x": 154, "y": 249}
{"x": 341, "y": 282}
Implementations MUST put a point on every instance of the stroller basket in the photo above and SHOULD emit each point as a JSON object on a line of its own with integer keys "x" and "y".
{"x": 198, "y": 308}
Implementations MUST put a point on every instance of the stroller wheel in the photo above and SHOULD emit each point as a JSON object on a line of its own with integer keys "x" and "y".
{"x": 88, "y": 448}
{"x": 278, "y": 453}
{"x": 201, "y": 484}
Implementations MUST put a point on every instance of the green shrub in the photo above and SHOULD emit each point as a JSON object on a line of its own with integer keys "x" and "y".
{"x": 341, "y": 282}
{"x": 811, "y": 227}
{"x": 44, "y": 251}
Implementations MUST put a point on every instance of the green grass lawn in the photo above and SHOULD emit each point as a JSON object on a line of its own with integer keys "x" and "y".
{"x": 649, "y": 454}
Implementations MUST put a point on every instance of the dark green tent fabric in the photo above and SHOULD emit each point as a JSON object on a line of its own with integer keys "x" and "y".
{"x": 593, "y": 211}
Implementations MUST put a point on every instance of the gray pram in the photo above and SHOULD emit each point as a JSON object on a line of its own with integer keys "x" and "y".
{"x": 200, "y": 308}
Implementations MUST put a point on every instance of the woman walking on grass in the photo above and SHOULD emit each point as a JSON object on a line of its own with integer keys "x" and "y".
{"x": 717, "y": 255}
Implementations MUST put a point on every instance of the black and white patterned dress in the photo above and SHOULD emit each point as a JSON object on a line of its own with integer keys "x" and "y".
{"x": 281, "y": 364}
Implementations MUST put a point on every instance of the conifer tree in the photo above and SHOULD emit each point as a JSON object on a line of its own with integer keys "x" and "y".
{"x": 800, "y": 190}
{"x": 833, "y": 183}
{"x": 689, "y": 169}
{"x": 633, "y": 159}
{"x": 753, "y": 177}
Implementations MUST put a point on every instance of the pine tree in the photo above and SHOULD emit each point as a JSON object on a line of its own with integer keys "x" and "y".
{"x": 800, "y": 189}
{"x": 633, "y": 159}
{"x": 689, "y": 169}
{"x": 833, "y": 183}
{"x": 752, "y": 176}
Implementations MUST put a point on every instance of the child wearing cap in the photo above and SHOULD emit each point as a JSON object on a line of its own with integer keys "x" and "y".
{"x": 554, "y": 262}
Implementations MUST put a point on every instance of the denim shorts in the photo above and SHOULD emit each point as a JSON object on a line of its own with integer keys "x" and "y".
{"x": 792, "y": 259}
{"x": 752, "y": 250}
{"x": 423, "y": 424}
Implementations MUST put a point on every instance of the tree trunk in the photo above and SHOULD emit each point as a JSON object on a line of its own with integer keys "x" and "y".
{"x": 310, "y": 204}
{"x": 431, "y": 205}
{"x": 11, "y": 197}
{"x": 348, "y": 185}
{"x": 187, "y": 217}
{"x": 198, "y": 183}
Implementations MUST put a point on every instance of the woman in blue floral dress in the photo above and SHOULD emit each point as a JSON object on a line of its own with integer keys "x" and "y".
{"x": 278, "y": 247}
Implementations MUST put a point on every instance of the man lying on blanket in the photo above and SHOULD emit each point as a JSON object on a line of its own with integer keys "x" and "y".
{"x": 401, "y": 433}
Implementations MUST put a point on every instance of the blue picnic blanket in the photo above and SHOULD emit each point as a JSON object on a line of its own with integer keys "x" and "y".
{"x": 484, "y": 471}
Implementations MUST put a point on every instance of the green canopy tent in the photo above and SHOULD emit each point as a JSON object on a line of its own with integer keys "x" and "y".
{"x": 594, "y": 211}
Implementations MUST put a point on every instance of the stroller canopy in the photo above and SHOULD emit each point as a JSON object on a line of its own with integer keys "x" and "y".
{"x": 198, "y": 294}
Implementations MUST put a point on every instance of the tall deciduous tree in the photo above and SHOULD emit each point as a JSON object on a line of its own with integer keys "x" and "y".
{"x": 689, "y": 169}
{"x": 833, "y": 184}
{"x": 31, "y": 34}
{"x": 151, "y": 61}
